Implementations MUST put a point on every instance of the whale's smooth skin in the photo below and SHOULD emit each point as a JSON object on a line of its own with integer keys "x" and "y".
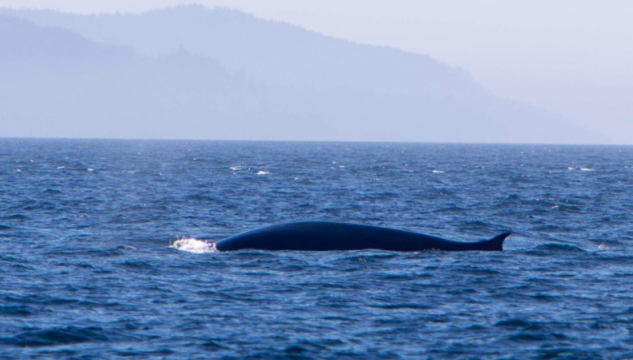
{"x": 330, "y": 236}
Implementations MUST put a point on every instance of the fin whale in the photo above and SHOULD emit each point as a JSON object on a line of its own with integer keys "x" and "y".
{"x": 328, "y": 236}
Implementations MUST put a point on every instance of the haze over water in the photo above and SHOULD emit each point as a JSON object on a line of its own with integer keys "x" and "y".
{"x": 193, "y": 72}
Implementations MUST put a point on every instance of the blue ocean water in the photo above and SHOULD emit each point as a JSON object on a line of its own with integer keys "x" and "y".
{"x": 103, "y": 251}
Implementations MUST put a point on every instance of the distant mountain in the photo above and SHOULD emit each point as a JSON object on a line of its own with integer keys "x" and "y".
{"x": 193, "y": 72}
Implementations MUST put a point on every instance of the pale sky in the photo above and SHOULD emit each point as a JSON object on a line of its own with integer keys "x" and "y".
{"x": 572, "y": 57}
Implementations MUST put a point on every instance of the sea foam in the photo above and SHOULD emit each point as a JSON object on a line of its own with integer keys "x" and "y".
{"x": 193, "y": 246}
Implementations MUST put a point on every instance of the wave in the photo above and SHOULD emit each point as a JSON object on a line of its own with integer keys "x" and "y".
{"x": 61, "y": 336}
{"x": 551, "y": 248}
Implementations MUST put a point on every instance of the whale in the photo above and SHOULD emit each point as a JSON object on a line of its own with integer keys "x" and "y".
{"x": 333, "y": 236}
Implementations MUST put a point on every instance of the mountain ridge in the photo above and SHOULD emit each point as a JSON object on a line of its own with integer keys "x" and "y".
{"x": 272, "y": 104}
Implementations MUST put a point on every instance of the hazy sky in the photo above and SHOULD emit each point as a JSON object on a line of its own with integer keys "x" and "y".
{"x": 572, "y": 57}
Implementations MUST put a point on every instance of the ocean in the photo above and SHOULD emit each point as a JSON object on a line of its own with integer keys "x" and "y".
{"x": 106, "y": 251}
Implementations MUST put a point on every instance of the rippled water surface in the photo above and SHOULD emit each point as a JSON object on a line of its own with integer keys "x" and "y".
{"x": 105, "y": 251}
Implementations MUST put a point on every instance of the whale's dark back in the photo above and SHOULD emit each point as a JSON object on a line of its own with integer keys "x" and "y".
{"x": 327, "y": 236}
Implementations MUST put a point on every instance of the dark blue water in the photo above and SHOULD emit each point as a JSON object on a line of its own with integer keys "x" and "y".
{"x": 88, "y": 270}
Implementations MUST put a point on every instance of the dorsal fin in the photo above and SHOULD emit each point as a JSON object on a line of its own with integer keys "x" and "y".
{"x": 496, "y": 243}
